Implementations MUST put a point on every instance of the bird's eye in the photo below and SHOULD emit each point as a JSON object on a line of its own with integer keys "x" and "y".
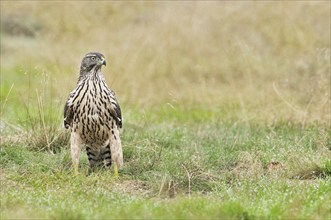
{"x": 92, "y": 58}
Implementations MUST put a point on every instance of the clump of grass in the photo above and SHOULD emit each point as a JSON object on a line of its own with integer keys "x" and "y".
{"x": 38, "y": 120}
{"x": 310, "y": 170}
{"x": 247, "y": 165}
{"x": 44, "y": 130}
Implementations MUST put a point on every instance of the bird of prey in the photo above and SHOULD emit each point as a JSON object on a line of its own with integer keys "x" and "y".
{"x": 93, "y": 116}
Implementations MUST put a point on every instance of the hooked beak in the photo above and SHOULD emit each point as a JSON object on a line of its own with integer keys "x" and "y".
{"x": 103, "y": 62}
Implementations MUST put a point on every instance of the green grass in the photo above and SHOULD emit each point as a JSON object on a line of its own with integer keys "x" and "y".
{"x": 226, "y": 109}
{"x": 196, "y": 171}
{"x": 88, "y": 198}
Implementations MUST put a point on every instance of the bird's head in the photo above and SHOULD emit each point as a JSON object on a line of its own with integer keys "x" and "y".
{"x": 92, "y": 60}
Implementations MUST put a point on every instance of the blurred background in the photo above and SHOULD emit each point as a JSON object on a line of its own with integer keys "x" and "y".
{"x": 259, "y": 62}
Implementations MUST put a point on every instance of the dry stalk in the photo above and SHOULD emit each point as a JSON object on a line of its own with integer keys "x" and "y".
{"x": 42, "y": 120}
{"x": 189, "y": 176}
{"x": 6, "y": 99}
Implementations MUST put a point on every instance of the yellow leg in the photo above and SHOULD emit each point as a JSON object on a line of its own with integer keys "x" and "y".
{"x": 76, "y": 169}
{"x": 115, "y": 170}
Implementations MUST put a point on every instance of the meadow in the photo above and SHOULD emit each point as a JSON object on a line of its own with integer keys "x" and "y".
{"x": 226, "y": 109}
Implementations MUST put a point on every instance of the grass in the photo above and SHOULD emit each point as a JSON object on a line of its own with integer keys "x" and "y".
{"x": 211, "y": 177}
{"x": 226, "y": 109}
{"x": 196, "y": 171}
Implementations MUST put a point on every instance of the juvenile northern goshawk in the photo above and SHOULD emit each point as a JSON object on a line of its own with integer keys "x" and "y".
{"x": 94, "y": 117}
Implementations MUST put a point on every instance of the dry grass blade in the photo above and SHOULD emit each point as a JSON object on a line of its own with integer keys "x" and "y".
{"x": 42, "y": 119}
{"x": 5, "y": 101}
